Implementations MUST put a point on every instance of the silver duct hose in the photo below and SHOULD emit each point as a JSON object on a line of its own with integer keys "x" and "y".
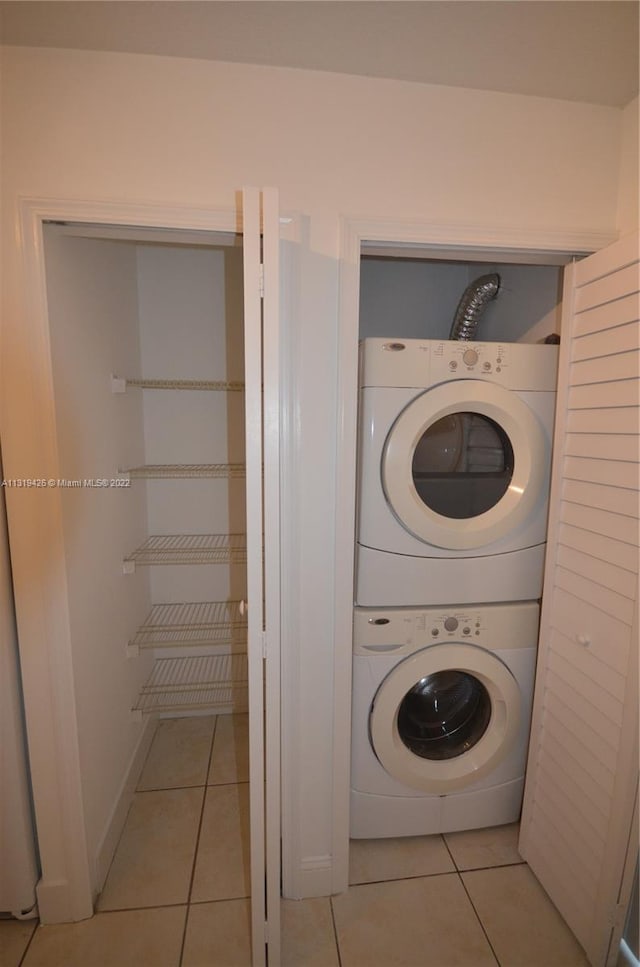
{"x": 472, "y": 304}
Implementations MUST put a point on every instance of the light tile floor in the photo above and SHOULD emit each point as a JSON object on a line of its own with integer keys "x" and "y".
{"x": 177, "y": 892}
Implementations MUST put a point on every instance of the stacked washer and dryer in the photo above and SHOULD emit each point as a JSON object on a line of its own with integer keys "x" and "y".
{"x": 453, "y": 481}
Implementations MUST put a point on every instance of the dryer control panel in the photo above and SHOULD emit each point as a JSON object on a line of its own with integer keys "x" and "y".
{"x": 423, "y": 363}
{"x": 403, "y": 630}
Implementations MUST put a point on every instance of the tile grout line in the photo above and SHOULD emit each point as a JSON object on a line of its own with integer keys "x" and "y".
{"x": 464, "y": 887}
{"x": 446, "y": 846}
{"x": 335, "y": 930}
{"x": 29, "y": 942}
{"x": 479, "y": 918}
{"x": 195, "y": 852}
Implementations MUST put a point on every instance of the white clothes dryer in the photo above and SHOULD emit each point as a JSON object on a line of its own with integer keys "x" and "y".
{"x": 441, "y": 716}
{"x": 453, "y": 471}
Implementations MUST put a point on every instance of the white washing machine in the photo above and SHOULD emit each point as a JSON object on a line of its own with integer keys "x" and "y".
{"x": 453, "y": 474}
{"x": 441, "y": 716}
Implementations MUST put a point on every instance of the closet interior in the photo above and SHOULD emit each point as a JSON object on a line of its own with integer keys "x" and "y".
{"x": 412, "y": 294}
{"x": 146, "y": 332}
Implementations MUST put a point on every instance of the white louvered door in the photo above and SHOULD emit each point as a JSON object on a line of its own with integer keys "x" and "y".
{"x": 583, "y": 761}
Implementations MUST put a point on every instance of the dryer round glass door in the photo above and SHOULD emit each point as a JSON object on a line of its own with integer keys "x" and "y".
{"x": 464, "y": 464}
{"x": 445, "y": 717}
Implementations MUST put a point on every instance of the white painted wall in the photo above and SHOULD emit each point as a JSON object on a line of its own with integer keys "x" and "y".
{"x": 99, "y": 125}
{"x": 629, "y": 178}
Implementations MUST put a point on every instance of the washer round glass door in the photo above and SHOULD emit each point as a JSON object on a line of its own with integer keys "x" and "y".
{"x": 464, "y": 464}
{"x": 445, "y": 717}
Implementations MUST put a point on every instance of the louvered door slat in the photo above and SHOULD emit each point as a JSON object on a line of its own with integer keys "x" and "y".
{"x": 582, "y": 770}
{"x": 608, "y": 636}
{"x": 610, "y": 602}
{"x": 603, "y": 369}
{"x": 591, "y": 823}
{"x": 601, "y": 572}
{"x": 602, "y": 446}
{"x": 607, "y": 316}
{"x": 624, "y": 393}
{"x": 594, "y": 670}
{"x": 616, "y": 552}
{"x": 569, "y": 722}
{"x": 600, "y": 745}
{"x": 575, "y": 772}
{"x": 559, "y": 881}
{"x": 613, "y": 420}
{"x": 614, "y": 499}
{"x": 619, "y": 339}
{"x": 607, "y": 289}
{"x": 555, "y": 788}
{"x": 613, "y": 473}
{"x": 575, "y": 850}
{"x": 613, "y": 525}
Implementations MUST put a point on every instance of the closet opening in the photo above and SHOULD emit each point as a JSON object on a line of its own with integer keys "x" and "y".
{"x": 146, "y": 339}
{"x": 396, "y": 291}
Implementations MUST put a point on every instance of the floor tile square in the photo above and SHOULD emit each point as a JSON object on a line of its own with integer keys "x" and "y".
{"x": 14, "y": 937}
{"x": 524, "y": 927}
{"x": 230, "y": 756}
{"x": 179, "y": 754}
{"x": 130, "y": 938}
{"x": 218, "y": 935}
{"x": 308, "y": 937}
{"x": 222, "y": 866}
{"x": 154, "y": 859}
{"x": 422, "y": 922}
{"x": 476, "y": 849}
{"x": 371, "y": 860}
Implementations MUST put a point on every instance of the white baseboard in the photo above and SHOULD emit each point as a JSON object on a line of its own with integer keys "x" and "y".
{"x": 56, "y": 903}
{"x": 313, "y": 878}
{"x": 111, "y": 836}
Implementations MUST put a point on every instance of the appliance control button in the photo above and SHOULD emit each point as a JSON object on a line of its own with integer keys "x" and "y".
{"x": 378, "y": 621}
{"x": 453, "y": 364}
{"x": 435, "y": 632}
{"x": 466, "y": 631}
{"x": 394, "y": 347}
{"x": 451, "y": 624}
{"x": 470, "y": 357}
{"x": 486, "y": 366}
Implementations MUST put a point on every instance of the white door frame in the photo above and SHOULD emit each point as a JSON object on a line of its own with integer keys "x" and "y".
{"x": 418, "y": 238}
{"x": 261, "y": 250}
{"x": 66, "y": 891}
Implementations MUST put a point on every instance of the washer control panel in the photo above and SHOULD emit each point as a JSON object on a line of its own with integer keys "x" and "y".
{"x": 378, "y": 631}
{"x": 461, "y": 624}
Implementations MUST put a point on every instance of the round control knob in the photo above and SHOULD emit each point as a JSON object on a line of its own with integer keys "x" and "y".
{"x": 435, "y": 632}
{"x": 466, "y": 631}
{"x": 470, "y": 357}
{"x": 451, "y": 624}
{"x": 486, "y": 366}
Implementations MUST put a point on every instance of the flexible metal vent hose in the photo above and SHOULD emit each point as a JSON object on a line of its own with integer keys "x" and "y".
{"x": 472, "y": 304}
